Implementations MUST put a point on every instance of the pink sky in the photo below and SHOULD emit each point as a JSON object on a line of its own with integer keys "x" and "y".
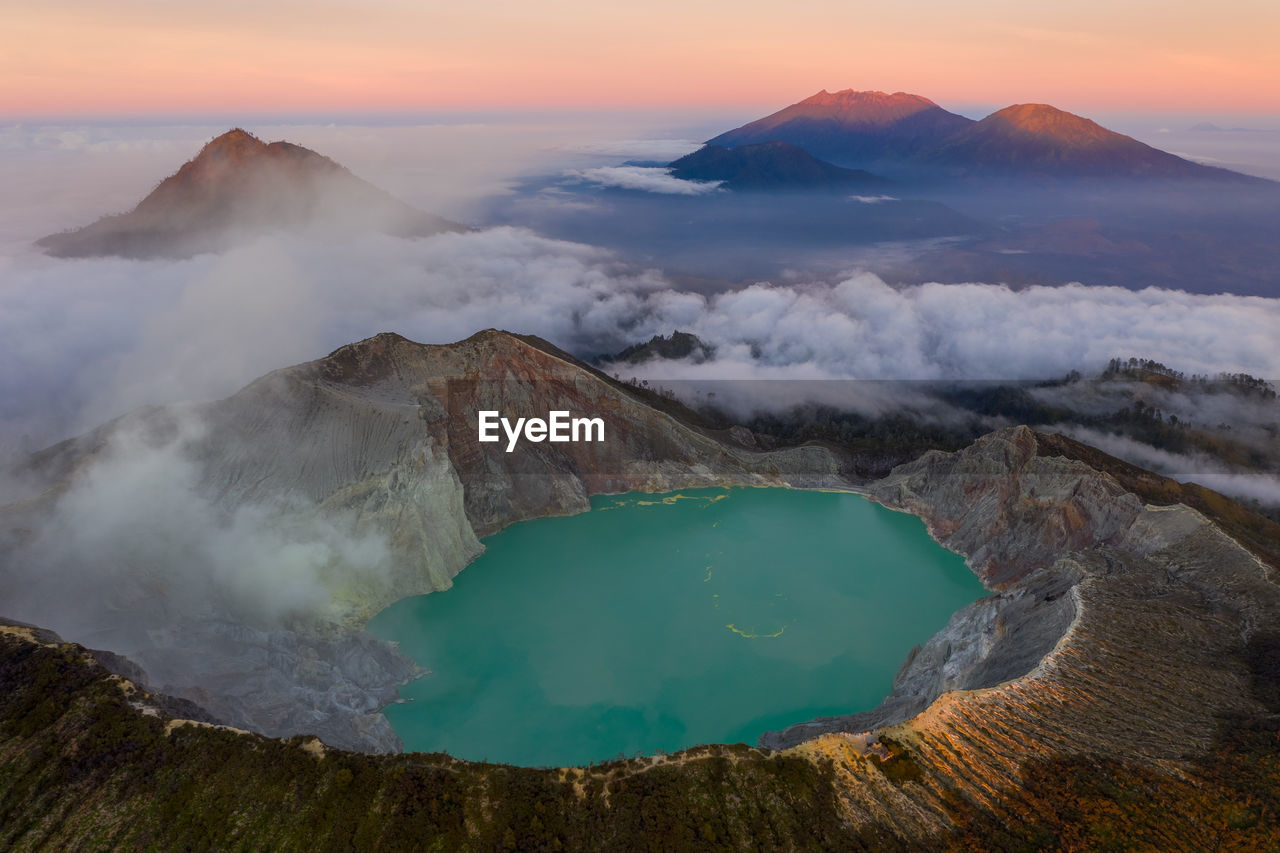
{"x": 130, "y": 57}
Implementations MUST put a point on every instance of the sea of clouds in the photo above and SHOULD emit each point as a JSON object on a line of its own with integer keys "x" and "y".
{"x": 645, "y": 178}
{"x": 86, "y": 340}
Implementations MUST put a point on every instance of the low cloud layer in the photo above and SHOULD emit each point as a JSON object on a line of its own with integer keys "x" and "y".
{"x": 1261, "y": 487}
{"x": 647, "y": 178}
{"x": 87, "y": 340}
{"x": 62, "y": 176}
{"x": 863, "y": 328}
{"x": 663, "y": 150}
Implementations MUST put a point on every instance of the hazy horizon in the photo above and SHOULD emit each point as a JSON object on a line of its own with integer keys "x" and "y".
{"x": 449, "y": 161}
{"x": 140, "y": 56}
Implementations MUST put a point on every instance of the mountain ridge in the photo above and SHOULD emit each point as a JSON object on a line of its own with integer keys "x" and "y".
{"x": 909, "y": 134}
{"x": 851, "y": 128}
{"x": 1040, "y": 139}
{"x": 770, "y": 166}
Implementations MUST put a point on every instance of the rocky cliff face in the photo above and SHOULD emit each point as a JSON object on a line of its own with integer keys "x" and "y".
{"x": 388, "y": 429}
{"x": 336, "y": 487}
{"x": 1117, "y": 629}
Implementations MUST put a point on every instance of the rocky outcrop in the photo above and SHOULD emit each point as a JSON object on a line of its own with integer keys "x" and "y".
{"x": 1117, "y": 628}
{"x": 679, "y": 345}
{"x": 387, "y": 430}
{"x": 1009, "y": 510}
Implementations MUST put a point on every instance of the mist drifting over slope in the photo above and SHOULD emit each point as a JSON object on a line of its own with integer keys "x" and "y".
{"x": 141, "y": 545}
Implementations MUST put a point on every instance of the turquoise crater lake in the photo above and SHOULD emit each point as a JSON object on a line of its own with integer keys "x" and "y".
{"x": 659, "y": 622}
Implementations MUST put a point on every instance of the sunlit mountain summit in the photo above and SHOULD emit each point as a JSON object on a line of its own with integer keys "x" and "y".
{"x": 238, "y": 187}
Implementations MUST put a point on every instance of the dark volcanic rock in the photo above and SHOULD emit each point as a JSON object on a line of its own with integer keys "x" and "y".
{"x": 282, "y": 682}
{"x": 771, "y": 166}
{"x": 135, "y": 679}
{"x": 679, "y": 345}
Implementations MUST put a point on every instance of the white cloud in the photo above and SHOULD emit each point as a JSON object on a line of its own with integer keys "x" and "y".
{"x": 863, "y": 328}
{"x": 86, "y": 340}
{"x": 1250, "y": 485}
{"x": 136, "y": 536}
{"x": 646, "y": 178}
{"x": 83, "y": 341}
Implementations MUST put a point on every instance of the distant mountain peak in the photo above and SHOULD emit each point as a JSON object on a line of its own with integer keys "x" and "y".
{"x": 906, "y": 137}
{"x": 1050, "y": 121}
{"x": 231, "y": 158}
{"x": 1044, "y": 142}
{"x": 235, "y": 145}
{"x": 853, "y": 98}
{"x": 852, "y": 127}
{"x": 238, "y": 186}
{"x": 234, "y": 136}
{"x": 680, "y": 345}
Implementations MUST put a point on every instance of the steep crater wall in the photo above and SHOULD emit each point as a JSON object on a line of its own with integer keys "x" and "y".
{"x": 1080, "y": 567}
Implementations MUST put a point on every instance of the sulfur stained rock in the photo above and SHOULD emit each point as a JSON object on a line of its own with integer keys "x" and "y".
{"x": 1116, "y": 628}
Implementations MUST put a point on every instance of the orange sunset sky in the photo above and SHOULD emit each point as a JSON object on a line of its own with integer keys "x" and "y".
{"x": 138, "y": 57}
